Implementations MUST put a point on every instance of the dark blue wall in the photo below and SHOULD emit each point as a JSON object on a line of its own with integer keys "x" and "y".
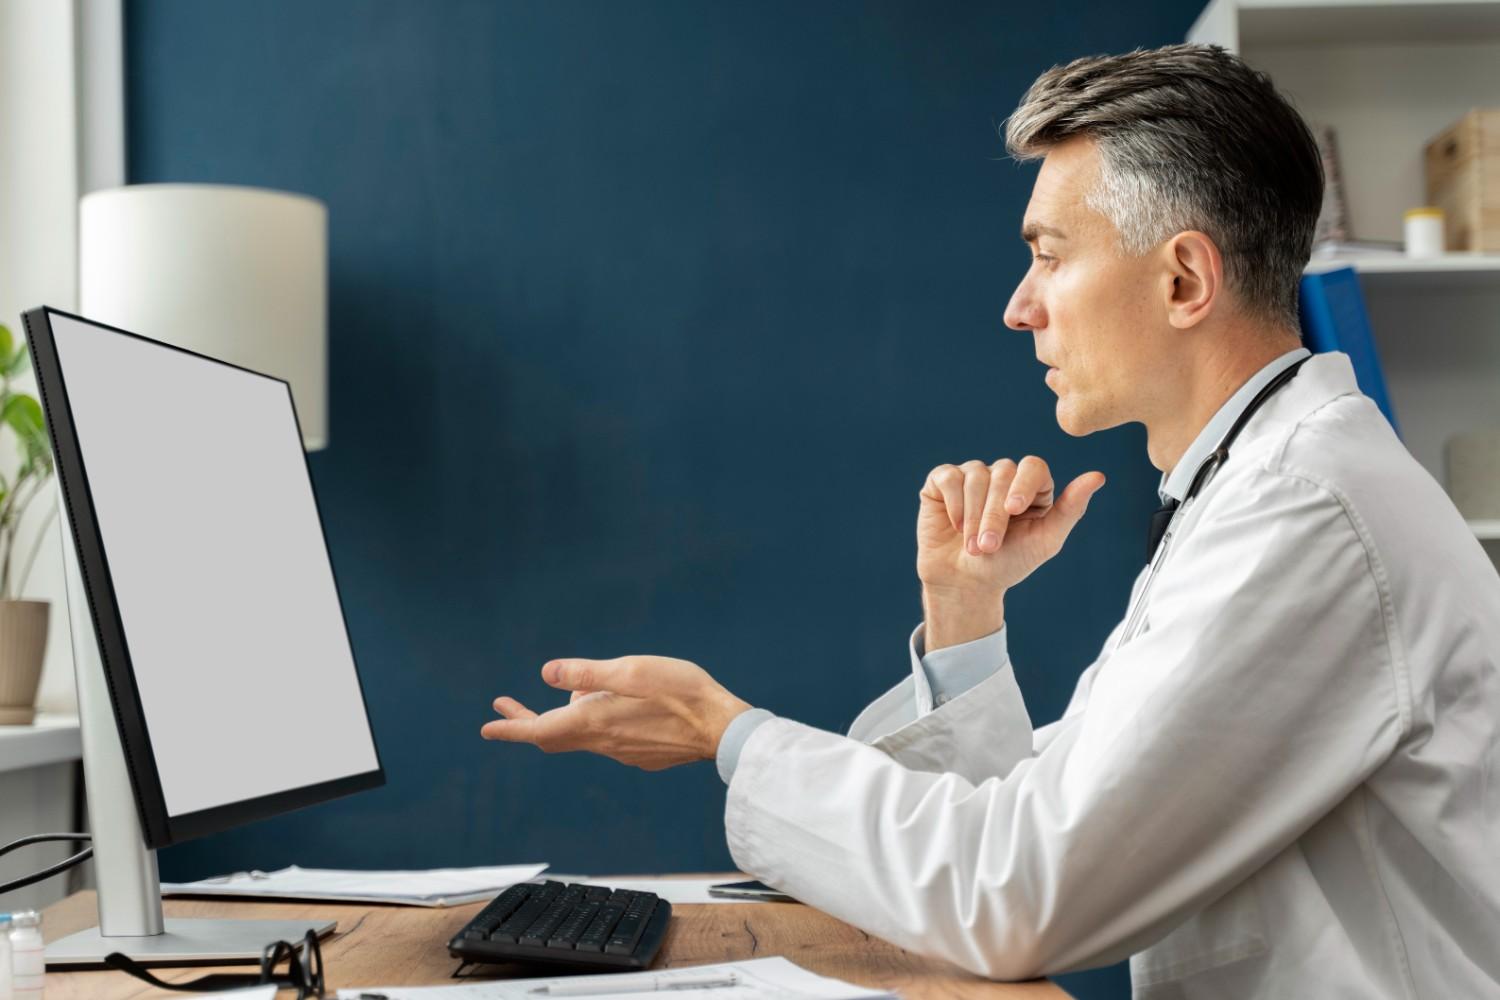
{"x": 647, "y": 320}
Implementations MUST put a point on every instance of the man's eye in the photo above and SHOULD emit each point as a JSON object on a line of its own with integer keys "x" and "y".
{"x": 1045, "y": 258}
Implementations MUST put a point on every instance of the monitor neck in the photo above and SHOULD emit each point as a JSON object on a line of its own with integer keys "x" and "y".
{"x": 125, "y": 868}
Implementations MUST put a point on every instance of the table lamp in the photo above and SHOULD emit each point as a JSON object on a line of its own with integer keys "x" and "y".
{"x": 236, "y": 273}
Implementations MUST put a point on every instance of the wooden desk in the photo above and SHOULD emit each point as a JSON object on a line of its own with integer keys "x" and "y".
{"x": 402, "y": 945}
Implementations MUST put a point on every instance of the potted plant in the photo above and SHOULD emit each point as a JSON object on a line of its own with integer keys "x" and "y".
{"x": 23, "y": 624}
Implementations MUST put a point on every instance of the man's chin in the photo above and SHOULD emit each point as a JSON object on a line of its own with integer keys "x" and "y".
{"x": 1073, "y": 423}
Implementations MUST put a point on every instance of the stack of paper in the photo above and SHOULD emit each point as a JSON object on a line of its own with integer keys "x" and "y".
{"x": 761, "y": 977}
{"x": 434, "y": 887}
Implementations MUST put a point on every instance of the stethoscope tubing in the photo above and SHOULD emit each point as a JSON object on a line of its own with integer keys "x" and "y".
{"x": 1206, "y": 471}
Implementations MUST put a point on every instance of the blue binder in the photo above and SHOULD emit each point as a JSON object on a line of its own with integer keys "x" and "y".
{"x": 1333, "y": 316}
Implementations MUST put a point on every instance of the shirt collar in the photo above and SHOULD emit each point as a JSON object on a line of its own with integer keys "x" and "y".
{"x": 1174, "y": 484}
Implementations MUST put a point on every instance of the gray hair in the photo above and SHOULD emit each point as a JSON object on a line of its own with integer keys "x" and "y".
{"x": 1189, "y": 137}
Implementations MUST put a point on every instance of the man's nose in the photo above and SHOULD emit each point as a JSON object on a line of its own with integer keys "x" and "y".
{"x": 1024, "y": 312}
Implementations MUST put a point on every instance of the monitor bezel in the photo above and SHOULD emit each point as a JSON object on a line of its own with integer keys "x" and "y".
{"x": 159, "y": 828}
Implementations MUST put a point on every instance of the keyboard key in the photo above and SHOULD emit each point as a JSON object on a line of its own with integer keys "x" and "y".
{"x": 622, "y": 941}
{"x": 518, "y": 922}
{"x": 541, "y": 929}
{"x": 498, "y": 909}
{"x": 571, "y": 929}
{"x": 598, "y": 932}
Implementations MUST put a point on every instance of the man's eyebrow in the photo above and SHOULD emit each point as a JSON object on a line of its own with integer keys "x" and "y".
{"x": 1032, "y": 230}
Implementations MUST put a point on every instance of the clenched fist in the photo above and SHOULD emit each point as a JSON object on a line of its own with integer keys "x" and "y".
{"x": 982, "y": 529}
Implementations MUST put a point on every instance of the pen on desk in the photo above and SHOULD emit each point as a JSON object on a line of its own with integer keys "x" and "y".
{"x": 653, "y": 984}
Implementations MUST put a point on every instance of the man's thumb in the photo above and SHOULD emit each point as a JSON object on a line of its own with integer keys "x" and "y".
{"x": 1075, "y": 499}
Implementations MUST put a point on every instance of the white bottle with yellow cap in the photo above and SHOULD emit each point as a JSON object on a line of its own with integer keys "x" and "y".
{"x": 1424, "y": 232}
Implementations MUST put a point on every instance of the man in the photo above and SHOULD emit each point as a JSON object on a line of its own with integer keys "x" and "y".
{"x": 1278, "y": 779}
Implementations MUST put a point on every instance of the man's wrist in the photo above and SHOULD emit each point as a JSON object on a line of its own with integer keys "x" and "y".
{"x": 726, "y": 711}
{"x": 954, "y": 617}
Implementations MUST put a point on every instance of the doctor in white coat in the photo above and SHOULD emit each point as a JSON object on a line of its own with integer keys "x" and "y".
{"x": 1280, "y": 777}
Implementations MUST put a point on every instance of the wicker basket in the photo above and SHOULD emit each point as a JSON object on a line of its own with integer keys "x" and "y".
{"x": 1463, "y": 179}
{"x": 23, "y": 643}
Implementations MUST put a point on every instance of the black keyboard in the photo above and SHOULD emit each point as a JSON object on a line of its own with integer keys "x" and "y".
{"x": 582, "y": 927}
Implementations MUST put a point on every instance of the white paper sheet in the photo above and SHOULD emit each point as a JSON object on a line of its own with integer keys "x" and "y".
{"x": 776, "y": 978}
{"x": 433, "y": 887}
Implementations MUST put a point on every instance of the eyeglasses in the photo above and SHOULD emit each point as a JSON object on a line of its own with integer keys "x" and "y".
{"x": 304, "y": 971}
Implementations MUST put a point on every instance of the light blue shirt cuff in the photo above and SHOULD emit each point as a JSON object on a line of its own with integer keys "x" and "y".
{"x": 733, "y": 740}
{"x": 953, "y": 670}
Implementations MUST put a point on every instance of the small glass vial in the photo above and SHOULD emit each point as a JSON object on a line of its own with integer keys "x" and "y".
{"x": 1424, "y": 232}
{"x": 28, "y": 962}
{"x": 5, "y": 973}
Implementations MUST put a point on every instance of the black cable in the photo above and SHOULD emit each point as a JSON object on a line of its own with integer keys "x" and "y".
{"x": 61, "y": 866}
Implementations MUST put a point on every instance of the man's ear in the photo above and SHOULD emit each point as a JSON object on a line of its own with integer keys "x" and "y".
{"x": 1195, "y": 273}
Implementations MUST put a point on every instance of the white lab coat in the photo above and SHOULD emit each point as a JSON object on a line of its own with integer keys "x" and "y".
{"x": 1286, "y": 784}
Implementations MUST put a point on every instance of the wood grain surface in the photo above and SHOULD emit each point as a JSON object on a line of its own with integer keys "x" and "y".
{"x": 377, "y": 945}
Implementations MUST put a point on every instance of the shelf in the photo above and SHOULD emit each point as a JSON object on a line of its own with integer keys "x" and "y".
{"x": 1466, "y": 270}
{"x": 1346, "y": 22}
{"x": 1486, "y": 530}
{"x": 52, "y": 739}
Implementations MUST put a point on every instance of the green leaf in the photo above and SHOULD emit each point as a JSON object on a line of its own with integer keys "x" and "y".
{"x": 38, "y": 455}
{"x": 7, "y": 342}
{"x": 17, "y": 364}
{"x": 24, "y": 415}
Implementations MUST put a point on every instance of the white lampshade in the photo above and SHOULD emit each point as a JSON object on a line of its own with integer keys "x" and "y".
{"x": 236, "y": 273}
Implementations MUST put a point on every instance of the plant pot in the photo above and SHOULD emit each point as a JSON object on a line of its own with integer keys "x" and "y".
{"x": 23, "y": 643}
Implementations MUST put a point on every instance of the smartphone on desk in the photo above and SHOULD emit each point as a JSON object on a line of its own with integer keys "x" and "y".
{"x": 749, "y": 890}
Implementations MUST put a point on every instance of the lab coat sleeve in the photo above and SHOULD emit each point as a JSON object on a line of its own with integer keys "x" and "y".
{"x": 1266, "y": 689}
{"x": 953, "y": 670}
{"x": 983, "y": 730}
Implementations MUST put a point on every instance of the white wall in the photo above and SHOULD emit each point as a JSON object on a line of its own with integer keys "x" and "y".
{"x": 61, "y": 135}
{"x": 38, "y": 246}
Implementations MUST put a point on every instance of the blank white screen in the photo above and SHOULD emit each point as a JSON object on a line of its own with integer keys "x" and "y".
{"x": 220, "y": 570}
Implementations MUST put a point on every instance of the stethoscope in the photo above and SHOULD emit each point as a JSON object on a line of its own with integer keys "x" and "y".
{"x": 1205, "y": 474}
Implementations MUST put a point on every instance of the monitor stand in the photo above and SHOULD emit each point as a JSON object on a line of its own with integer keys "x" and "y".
{"x": 130, "y": 917}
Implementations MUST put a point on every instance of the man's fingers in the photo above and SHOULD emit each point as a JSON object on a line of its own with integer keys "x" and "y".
{"x": 995, "y": 520}
{"x": 1031, "y": 491}
{"x": 976, "y": 486}
{"x": 512, "y": 709}
{"x": 552, "y": 731}
{"x": 522, "y": 730}
{"x": 622, "y": 676}
{"x": 946, "y": 485}
{"x": 518, "y": 726}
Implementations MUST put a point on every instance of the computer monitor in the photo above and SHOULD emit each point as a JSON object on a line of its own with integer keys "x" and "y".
{"x": 217, "y": 683}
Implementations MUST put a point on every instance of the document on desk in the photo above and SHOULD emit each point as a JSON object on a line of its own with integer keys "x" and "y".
{"x": 434, "y": 887}
{"x": 777, "y": 978}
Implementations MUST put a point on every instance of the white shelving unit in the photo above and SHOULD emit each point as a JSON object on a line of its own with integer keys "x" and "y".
{"x": 38, "y": 765}
{"x": 1416, "y": 273}
{"x": 1388, "y": 76}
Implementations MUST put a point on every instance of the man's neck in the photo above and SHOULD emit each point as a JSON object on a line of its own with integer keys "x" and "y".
{"x": 1206, "y": 387}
